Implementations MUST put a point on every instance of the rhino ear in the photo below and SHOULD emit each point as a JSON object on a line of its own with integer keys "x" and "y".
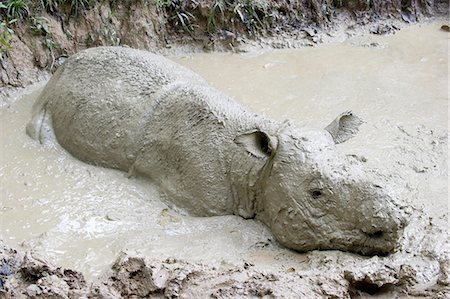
{"x": 344, "y": 127}
{"x": 258, "y": 143}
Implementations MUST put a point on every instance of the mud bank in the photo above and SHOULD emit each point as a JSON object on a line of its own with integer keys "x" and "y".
{"x": 31, "y": 276}
{"x": 399, "y": 86}
{"x": 44, "y": 35}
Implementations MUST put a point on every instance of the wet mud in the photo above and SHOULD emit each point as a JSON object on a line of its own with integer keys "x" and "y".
{"x": 82, "y": 217}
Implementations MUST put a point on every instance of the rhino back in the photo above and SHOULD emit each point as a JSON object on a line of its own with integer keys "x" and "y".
{"x": 98, "y": 98}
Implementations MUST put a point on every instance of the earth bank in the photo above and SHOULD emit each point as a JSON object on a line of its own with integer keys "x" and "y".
{"x": 45, "y": 32}
{"x": 417, "y": 144}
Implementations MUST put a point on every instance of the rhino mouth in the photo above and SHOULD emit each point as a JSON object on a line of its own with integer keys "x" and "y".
{"x": 375, "y": 235}
{"x": 376, "y": 243}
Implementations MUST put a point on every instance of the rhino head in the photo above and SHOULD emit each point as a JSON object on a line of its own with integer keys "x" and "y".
{"x": 313, "y": 197}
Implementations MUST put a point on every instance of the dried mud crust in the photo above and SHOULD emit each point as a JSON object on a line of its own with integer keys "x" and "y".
{"x": 28, "y": 275}
{"x": 329, "y": 275}
{"x": 47, "y": 36}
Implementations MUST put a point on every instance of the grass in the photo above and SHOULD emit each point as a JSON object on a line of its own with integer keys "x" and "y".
{"x": 50, "y": 5}
{"x": 175, "y": 9}
{"x": 6, "y": 31}
{"x": 247, "y": 12}
{"x": 39, "y": 25}
{"x": 179, "y": 14}
{"x": 17, "y": 9}
{"x": 184, "y": 19}
{"x": 28, "y": 11}
{"x": 163, "y": 3}
{"x": 219, "y": 5}
{"x": 244, "y": 10}
{"x": 77, "y": 5}
{"x": 6, "y": 36}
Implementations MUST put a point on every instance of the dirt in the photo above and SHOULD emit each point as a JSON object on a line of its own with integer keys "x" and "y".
{"x": 46, "y": 37}
{"x": 31, "y": 276}
{"x": 28, "y": 275}
{"x": 421, "y": 267}
{"x": 411, "y": 113}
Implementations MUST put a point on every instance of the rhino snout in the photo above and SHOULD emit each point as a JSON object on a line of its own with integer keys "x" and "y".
{"x": 382, "y": 230}
{"x": 378, "y": 242}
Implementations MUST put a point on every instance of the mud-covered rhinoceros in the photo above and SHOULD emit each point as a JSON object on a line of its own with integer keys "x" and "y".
{"x": 141, "y": 113}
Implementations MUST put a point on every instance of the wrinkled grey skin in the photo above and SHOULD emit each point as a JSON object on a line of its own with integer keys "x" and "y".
{"x": 141, "y": 113}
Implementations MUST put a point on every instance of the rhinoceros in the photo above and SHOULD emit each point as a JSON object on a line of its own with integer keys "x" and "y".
{"x": 141, "y": 113}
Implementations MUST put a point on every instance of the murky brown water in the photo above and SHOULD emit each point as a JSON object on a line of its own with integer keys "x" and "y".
{"x": 83, "y": 216}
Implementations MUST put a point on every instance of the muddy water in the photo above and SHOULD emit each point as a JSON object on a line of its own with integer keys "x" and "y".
{"x": 82, "y": 216}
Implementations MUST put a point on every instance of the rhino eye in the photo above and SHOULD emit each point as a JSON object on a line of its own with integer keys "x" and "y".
{"x": 315, "y": 193}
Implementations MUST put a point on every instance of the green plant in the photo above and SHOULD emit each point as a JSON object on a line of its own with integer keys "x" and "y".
{"x": 246, "y": 11}
{"x": 177, "y": 13}
{"x": 17, "y": 9}
{"x": 3, "y": 8}
{"x": 77, "y": 5}
{"x": 50, "y": 44}
{"x": 163, "y": 3}
{"x": 50, "y": 5}
{"x": 6, "y": 36}
{"x": 184, "y": 19}
{"x": 40, "y": 26}
{"x": 6, "y": 32}
{"x": 218, "y": 5}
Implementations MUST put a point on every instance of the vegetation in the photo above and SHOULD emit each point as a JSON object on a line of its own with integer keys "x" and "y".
{"x": 77, "y": 5}
{"x": 17, "y": 9}
{"x": 248, "y": 12}
{"x": 219, "y": 5}
{"x": 187, "y": 16}
{"x": 6, "y": 31}
{"x": 6, "y": 36}
{"x": 50, "y": 5}
{"x": 177, "y": 14}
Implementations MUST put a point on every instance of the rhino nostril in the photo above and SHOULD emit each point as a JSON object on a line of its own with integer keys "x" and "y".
{"x": 375, "y": 235}
{"x": 315, "y": 193}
